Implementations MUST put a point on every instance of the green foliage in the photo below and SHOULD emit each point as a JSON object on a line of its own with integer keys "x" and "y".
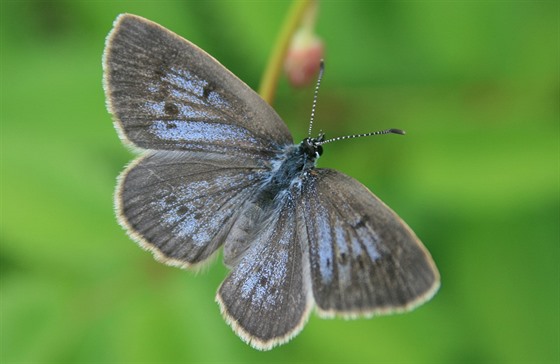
{"x": 474, "y": 84}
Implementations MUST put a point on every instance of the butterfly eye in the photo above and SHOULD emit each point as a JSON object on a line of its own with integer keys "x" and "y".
{"x": 319, "y": 150}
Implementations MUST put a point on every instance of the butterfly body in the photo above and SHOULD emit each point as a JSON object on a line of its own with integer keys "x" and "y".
{"x": 292, "y": 165}
{"x": 218, "y": 168}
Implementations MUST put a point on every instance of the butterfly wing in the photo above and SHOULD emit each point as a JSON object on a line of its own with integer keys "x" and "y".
{"x": 266, "y": 298}
{"x": 209, "y": 139}
{"x": 181, "y": 206}
{"x": 165, "y": 93}
{"x": 363, "y": 258}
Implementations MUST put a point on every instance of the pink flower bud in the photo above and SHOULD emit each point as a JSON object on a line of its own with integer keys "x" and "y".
{"x": 303, "y": 58}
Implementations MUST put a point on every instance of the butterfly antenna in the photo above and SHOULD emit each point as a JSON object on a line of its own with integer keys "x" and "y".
{"x": 321, "y": 71}
{"x": 380, "y": 132}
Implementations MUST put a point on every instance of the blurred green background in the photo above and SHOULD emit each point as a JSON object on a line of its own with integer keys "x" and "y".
{"x": 475, "y": 85}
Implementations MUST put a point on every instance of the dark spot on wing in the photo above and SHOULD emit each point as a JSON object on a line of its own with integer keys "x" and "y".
{"x": 263, "y": 281}
{"x": 161, "y": 69}
{"x": 360, "y": 223}
{"x": 207, "y": 90}
{"x": 163, "y": 87}
{"x": 170, "y": 200}
{"x": 171, "y": 109}
{"x": 343, "y": 258}
{"x": 170, "y": 125}
{"x": 162, "y": 65}
{"x": 182, "y": 210}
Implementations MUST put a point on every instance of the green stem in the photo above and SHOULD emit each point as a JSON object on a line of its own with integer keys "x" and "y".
{"x": 269, "y": 81}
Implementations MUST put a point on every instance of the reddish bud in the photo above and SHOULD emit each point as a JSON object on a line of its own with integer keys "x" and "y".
{"x": 303, "y": 58}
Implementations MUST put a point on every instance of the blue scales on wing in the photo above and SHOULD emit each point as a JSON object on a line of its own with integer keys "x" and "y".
{"x": 266, "y": 297}
{"x": 364, "y": 260}
{"x": 180, "y": 206}
{"x": 167, "y": 94}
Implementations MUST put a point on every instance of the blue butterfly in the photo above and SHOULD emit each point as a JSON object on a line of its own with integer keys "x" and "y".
{"x": 219, "y": 168}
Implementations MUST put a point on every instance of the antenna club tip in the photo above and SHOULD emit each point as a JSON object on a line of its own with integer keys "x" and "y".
{"x": 397, "y": 131}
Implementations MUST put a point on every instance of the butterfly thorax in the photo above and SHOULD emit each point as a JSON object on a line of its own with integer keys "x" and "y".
{"x": 292, "y": 165}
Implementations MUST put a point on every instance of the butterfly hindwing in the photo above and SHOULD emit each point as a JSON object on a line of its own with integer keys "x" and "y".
{"x": 266, "y": 297}
{"x": 180, "y": 205}
{"x": 165, "y": 93}
{"x": 364, "y": 259}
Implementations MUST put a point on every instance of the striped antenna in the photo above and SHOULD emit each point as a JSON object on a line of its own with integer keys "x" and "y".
{"x": 321, "y": 71}
{"x": 380, "y": 132}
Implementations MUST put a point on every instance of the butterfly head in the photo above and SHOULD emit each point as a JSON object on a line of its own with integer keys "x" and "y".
{"x": 312, "y": 146}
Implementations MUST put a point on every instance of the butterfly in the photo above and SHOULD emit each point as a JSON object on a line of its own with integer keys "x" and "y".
{"x": 219, "y": 168}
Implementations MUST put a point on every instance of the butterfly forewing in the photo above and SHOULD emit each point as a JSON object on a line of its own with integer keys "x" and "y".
{"x": 167, "y": 94}
{"x": 363, "y": 258}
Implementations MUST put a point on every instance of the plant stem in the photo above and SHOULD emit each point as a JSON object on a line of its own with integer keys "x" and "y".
{"x": 271, "y": 75}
